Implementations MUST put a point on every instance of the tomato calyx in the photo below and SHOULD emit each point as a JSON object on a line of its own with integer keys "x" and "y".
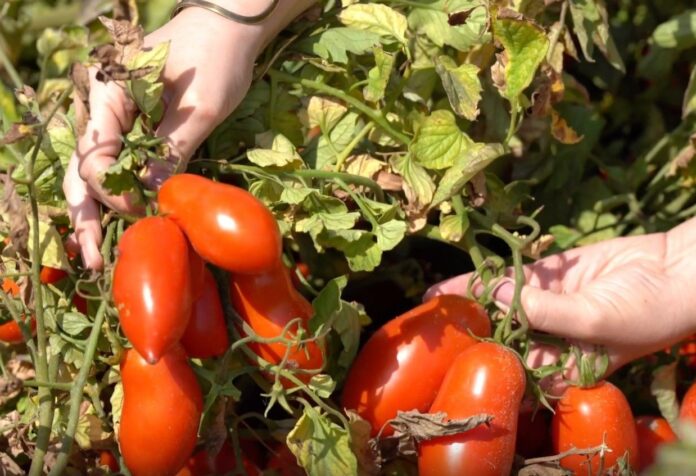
{"x": 592, "y": 366}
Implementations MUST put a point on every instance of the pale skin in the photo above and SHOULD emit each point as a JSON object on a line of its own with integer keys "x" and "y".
{"x": 631, "y": 295}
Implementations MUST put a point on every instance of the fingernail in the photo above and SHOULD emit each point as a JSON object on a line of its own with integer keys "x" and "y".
{"x": 504, "y": 292}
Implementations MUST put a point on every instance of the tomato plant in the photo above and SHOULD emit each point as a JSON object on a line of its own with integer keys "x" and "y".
{"x": 652, "y": 432}
{"x": 152, "y": 285}
{"x": 162, "y": 406}
{"x": 402, "y": 365}
{"x": 227, "y": 226}
{"x": 588, "y": 417}
{"x": 206, "y": 333}
{"x": 473, "y": 386}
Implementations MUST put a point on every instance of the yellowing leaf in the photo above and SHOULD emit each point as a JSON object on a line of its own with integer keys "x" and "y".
{"x": 50, "y": 245}
{"x": 462, "y": 85}
{"x": 418, "y": 186}
{"x": 377, "y": 18}
{"x": 453, "y": 227}
{"x": 525, "y": 44}
{"x": 324, "y": 112}
{"x": 439, "y": 141}
{"x": 561, "y": 131}
{"x": 378, "y": 77}
{"x": 281, "y": 154}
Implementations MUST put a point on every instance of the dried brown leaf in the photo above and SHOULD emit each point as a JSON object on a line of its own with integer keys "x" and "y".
{"x": 498, "y": 71}
{"x": 543, "y": 469}
{"x": 15, "y": 210}
{"x": 459, "y": 18}
{"x": 128, "y": 38}
{"x": 10, "y": 387}
{"x": 549, "y": 91}
{"x": 683, "y": 157}
{"x": 365, "y": 452}
{"x": 21, "y": 369}
{"x": 79, "y": 75}
{"x": 389, "y": 182}
{"x": 126, "y": 10}
{"x": 537, "y": 247}
{"x": 476, "y": 190}
{"x": 561, "y": 131}
{"x": 425, "y": 426}
{"x": 17, "y": 132}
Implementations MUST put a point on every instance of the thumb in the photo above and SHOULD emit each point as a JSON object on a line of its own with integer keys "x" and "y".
{"x": 565, "y": 315}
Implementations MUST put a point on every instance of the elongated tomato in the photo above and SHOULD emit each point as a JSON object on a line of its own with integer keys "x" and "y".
{"x": 402, "y": 365}
{"x": 652, "y": 432}
{"x": 162, "y": 406}
{"x": 51, "y": 275}
{"x": 206, "y": 333}
{"x": 10, "y": 332}
{"x": 486, "y": 379}
{"x": 687, "y": 411}
{"x": 268, "y": 302}
{"x": 227, "y": 225}
{"x": 152, "y": 286}
{"x": 587, "y": 416}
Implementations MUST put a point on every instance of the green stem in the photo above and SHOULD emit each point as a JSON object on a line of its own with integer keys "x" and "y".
{"x": 66, "y": 387}
{"x": 341, "y": 158}
{"x": 375, "y": 116}
{"x": 363, "y": 208}
{"x": 513, "y": 123}
{"x": 10, "y": 69}
{"x": 76, "y": 393}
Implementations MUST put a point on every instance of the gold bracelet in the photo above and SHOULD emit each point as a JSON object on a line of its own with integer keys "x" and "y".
{"x": 247, "y": 20}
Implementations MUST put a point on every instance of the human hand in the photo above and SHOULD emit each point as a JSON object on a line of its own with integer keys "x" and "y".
{"x": 208, "y": 72}
{"x": 631, "y": 295}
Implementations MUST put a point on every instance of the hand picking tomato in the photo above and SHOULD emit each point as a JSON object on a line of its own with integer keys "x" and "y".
{"x": 489, "y": 379}
{"x": 687, "y": 411}
{"x": 225, "y": 462}
{"x": 162, "y": 406}
{"x": 587, "y": 416}
{"x": 206, "y": 333}
{"x": 10, "y": 332}
{"x": 152, "y": 285}
{"x": 268, "y": 302}
{"x": 227, "y": 225}
{"x": 652, "y": 433}
{"x": 402, "y": 365}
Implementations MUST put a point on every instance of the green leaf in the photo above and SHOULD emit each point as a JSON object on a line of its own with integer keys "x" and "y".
{"x": 591, "y": 26}
{"x": 689, "y": 104}
{"x": 336, "y": 43}
{"x": 321, "y": 221}
{"x": 321, "y": 446}
{"x": 281, "y": 154}
{"x": 378, "y": 77}
{"x": 418, "y": 187}
{"x": 462, "y": 86}
{"x": 74, "y": 323}
{"x": 121, "y": 176}
{"x": 432, "y": 21}
{"x": 471, "y": 162}
{"x": 453, "y": 227}
{"x": 678, "y": 32}
{"x": 564, "y": 237}
{"x": 322, "y": 385}
{"x": 147, "y": 91}
{"x": 359, "y": 247}
{"x": 331, "y": 145}
{"x": 295, "y": 196}
{"x": 525, "y": 44}
{"x": 439, "y": 141}
{"x": 376, "y": 18}
{"x": 390, "y": 234}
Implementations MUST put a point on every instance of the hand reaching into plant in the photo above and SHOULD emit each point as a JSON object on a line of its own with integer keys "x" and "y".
{"x": 632, "y": 295}
{"x": 207, "y": 73}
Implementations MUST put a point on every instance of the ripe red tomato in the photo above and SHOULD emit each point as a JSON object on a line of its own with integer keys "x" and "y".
{"x": 402, "y": 365}
{"x": 152, "y": 285}
{"x": 162, "y": 406}
{"x": 687, "y": 412}
{"x": 10, "y": 286}
{"x": 198, "y": 269}
{"x": 652, "y": 433}
{"x": 108, "y": 460}
{"x": 283, "y": 462}
{"x": 227, "y": 225}
{"x": 486, "y": 378}
{"x": 268, "y": 302}
{"x": 584, "y": 416}
{"x": 225, "y": 462}
{"x": 51, "y": 275}
{"x": 10, "y": 331}
{"x": 206, "y": 333}
{"x": 533, "y": 435}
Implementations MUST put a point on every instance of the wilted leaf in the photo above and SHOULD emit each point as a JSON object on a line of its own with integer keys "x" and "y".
{"x": 418, "y": 186}
{"x": 425, "y": 426}
{"x": 525, "y": 44}
{"x": 365, "y": 453}
{"x": 462, "y": 85}
{"x": 127, "y": 37}
{"x": 376, "y": 18}
{"x": 538, "y": 247}
{"x": 561, "y": 131}
{"x": 664, "y": 388}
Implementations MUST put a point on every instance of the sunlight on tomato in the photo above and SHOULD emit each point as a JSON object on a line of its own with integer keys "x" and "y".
{"x": 652, "y": 432}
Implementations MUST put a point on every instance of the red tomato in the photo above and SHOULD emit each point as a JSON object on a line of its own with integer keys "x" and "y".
{"x": 206, "y": 333}
{"x": 584, "y": 416}
{"x": 10, "y": 286}
{"x": 688, "y": 351}
{"x": 10, "y": 331}
{"x": 652, "y": 433}
{"x": 227, "y": 225}
{"x": 225, "y": 462}
{"x": 198, "y": 269}
{"x": 487, "y": 379}
{"x": 402, "y": 365}
{"x": 162, "y": 406}
{"x": 108, "y": 460}
{"x": 283, "y": 462}
{"x": 51, "y": 275}
{"x": 533, "y": 436}
{"x": 687, "y": 411}
{"x": 268, "y": 302}
{"x": 152, "y": 285}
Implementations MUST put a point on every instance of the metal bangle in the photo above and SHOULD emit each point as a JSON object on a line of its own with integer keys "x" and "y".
{"x": 213, "y": 7}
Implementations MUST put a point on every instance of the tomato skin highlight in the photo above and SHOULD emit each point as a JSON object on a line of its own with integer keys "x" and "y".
{"x": 687, "y": 411}
{"x": 583, "y": 416}
{"x": 152, "y": 285}
{"x": 162, "y": 406}
{"x": 268, "y": 302}
{"x": 402, "y": 365}
{"x": 486, "y": 378}
{"x": 226, "y": 225}
{"x": 206, "y": 333}
{"x": 652, "y": 433}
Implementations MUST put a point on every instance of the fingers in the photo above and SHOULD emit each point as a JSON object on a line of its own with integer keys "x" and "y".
{"x": 111, "y": 115}
{"x": 84, "y": 215}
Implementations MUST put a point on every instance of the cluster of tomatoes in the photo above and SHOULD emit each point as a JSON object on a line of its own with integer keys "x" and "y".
{"x": 429, "y": 359}
{"x": 170, "y": 310}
